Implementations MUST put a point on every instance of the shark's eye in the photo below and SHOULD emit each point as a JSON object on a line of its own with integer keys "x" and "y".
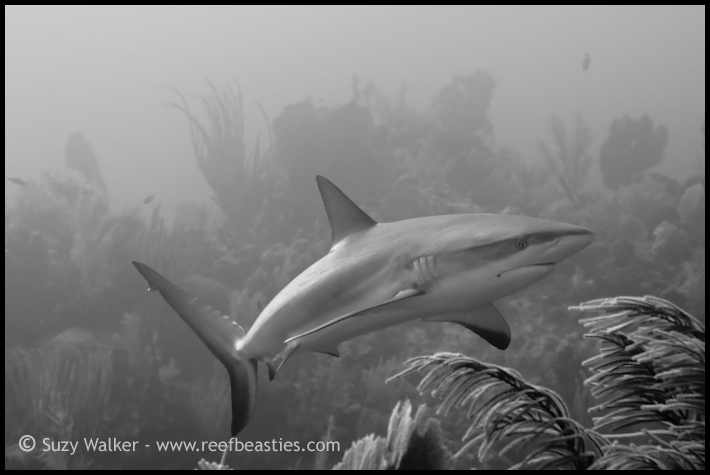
{"x": 522, "y": 244}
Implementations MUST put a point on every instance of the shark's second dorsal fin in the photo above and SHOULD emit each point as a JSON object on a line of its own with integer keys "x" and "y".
{"x": 345, "y": 216}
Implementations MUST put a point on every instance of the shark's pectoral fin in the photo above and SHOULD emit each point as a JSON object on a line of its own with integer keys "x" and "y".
{"x": 279, "y": 360}
{"x": 485, "y": 321}
{"x": 401, "y": 295}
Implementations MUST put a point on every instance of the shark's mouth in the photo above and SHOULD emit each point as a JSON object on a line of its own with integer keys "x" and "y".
{"x": 543, "y": 265}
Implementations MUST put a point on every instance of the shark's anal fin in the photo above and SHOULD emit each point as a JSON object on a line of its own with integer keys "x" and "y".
{"x": 401, "y": 295}
{"x": 485, "y": 321}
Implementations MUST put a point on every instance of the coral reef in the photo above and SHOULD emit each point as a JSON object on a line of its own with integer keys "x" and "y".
{"x": 79, "y": 156}
{"x": 68, "y": 272}
{"x": 633, "y": 146}
{"x": 568, "y": 157}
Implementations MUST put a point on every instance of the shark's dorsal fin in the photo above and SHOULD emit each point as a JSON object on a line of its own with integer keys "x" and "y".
{"x": 485, "y": 321}
{"x": 345, "y": 217}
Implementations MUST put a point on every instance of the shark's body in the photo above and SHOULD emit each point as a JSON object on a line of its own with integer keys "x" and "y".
{"x": 438, "y": 268}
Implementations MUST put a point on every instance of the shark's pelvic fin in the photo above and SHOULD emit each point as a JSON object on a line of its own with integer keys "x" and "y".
{"x": 271, "y": 367}
{"x": 401, "y": 295}
{"x": 274, "y": 364}
{"x": 345, "y": 217}
{"x": 279, "y": 360}
{"x": 485, "y": 321}
{"x": 333, "y": 351}
{"x": 220, "y": 334}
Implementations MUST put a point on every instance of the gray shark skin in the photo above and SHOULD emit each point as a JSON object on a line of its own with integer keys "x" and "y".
{"x": 447, "y": 268}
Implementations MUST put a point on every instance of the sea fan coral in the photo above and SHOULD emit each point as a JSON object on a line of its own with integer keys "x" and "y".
{"x": 650, "y": 372}
{"x": 62, "y": 387}
{"x": 234, "y": 175}
{"x": 413, "y": 442}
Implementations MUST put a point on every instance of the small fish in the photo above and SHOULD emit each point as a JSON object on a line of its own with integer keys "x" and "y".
{"x": 148, "y": 199}
{"x": 585, "y": 63}
{"x": 17, "y": 181}
{"x": 376, "y": 275}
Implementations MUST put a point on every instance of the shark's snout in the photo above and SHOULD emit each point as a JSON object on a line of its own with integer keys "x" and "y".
{"x": 582, "y": 238}
{"x": 571, "y": 242}
{"x": 557, "y": 246}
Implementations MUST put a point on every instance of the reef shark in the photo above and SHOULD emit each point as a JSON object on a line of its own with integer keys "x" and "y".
{"x": 447, "y": 268}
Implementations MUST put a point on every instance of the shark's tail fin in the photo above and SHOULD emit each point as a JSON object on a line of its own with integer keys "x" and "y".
{"x": 220, "y": 334}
